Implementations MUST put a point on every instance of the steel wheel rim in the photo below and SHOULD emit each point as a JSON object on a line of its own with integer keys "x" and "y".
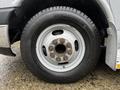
{"x": 70, "y": 35}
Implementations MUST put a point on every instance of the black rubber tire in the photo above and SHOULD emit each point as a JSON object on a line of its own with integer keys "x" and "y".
{"x": 55, "y": 15}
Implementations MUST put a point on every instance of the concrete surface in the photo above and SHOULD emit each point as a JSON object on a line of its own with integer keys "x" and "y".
{"x": 15, "y": 76}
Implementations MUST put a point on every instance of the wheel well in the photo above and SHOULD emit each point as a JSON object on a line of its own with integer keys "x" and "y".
{"x": 30, "y": 7}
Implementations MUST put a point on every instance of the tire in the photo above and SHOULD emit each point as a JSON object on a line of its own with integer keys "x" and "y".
{"x": 58, "y": 68}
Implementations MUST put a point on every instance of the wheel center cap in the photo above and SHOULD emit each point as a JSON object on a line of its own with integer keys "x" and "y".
{"x": 60, "y": 48}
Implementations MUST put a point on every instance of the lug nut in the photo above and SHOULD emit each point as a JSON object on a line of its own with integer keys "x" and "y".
{"x": 51, "y": 48}
{"x": 65, "y": 58}
{"x": 68, "y": 45}
{"x": 58, "y": 59}
{"x": 69, "y": 52}
{"x": 55, "y": 42}
{"x": 52, "y": 55}
{"x": 62, "y": 40}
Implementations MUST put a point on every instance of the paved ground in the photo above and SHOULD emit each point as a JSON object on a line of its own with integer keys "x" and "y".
{"x": 15, "y": 76}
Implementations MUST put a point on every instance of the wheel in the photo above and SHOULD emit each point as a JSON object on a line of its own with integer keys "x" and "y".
{"x": 60, "y": 44}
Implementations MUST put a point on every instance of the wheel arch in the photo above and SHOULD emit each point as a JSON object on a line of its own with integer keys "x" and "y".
{"x": 97, "y": 10}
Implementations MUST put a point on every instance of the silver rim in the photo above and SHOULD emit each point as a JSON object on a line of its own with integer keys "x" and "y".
{"x": 60, "y": 48}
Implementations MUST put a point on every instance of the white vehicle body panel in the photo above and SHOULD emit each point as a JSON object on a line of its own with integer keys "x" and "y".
{"x": 10, "y": 3}
{"x": 115, "y": 5}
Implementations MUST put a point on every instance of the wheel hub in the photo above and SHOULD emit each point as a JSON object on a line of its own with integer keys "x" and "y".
{"x": 60, "y": 50}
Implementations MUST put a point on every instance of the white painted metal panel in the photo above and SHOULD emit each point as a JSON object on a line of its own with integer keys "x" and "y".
{"x": 10, "y": 3}
{"x": 115, "y": 5}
